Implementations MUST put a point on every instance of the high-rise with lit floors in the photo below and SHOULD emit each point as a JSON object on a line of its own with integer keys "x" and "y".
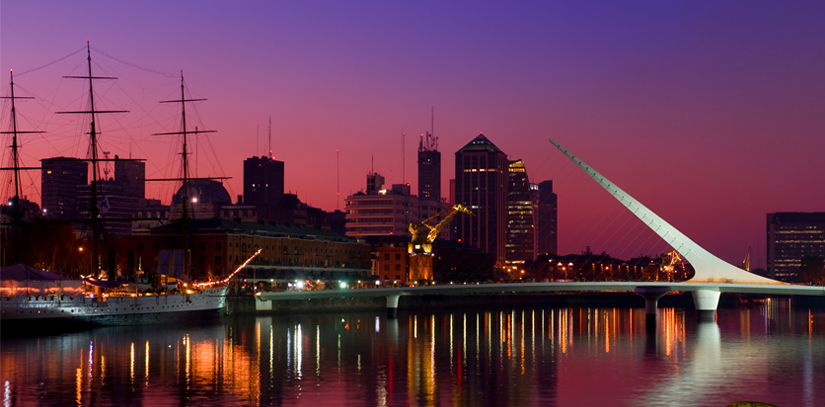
{"x": 522, "y": 203}
{"x": 429, "y": 169}
{"x": 546, "y": 224}
{"x": 792, "y": 235}
{"x": 60, "y": 181}
{"x": 481, "y": 179}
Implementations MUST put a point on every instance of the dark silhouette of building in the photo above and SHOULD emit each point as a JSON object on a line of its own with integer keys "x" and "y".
{"x": 792, "y": 235}
{"x": 481, "y": 178}
{"x": 263, "y": 181}
{"x": 337, "y": 221}
{"x": 206, "y": 197}
{"x": 429, "y": 169}
{"x": 547, "y": 224}
{"x": 521, "y": 231}
{"x": 60, "y": 179}
{"x": 116, "y": 208}
{"x": 131, "y": 175}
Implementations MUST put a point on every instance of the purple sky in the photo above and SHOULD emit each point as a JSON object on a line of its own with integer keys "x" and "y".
{"x": 711, "y": 114}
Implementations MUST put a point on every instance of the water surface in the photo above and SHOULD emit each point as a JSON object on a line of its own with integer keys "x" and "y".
{"x": 769, "y": 352}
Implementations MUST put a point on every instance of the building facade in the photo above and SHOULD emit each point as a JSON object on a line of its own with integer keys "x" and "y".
{"x": 263, "y": 181}
{"x": 383, "y": 213}
{"x": 131, "y": 176}
{"x": 60, "y": 179}
{"x": 386, "y": 212}
{"x": 547, "y": 228}
{"x": 790, "y": 236}
{"x": 219, "y": 246}
{"x": 429, "y": 169}
{"x": 115, "y": 206}
{"x": 391, "y": 264}
{"x": 521, "y": 216}
{"x": 481, "y": 180}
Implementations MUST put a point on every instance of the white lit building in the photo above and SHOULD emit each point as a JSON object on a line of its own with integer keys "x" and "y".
{"x": 386, "y": 212}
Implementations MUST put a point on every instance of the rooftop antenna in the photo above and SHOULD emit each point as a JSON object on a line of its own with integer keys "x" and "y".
{"x": 270, "y": 137}
{"x": 257, "y": 137}
{"x": 372, "y": 164}
{"x": 338, "y": 186}
{"x": 403, "y": 157}
{"x": 434, "y": 145}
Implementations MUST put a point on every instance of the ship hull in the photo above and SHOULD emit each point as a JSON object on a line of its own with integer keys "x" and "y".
{"x": 51, "y": 311}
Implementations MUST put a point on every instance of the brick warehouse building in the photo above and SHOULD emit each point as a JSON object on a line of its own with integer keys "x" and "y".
{"x": 219, "y": 246}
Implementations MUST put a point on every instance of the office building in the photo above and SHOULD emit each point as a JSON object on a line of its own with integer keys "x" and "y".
{"x": 546, "y": 229}
{"x": 790, "y": 236}
{"x": 263, "y": 181}
{"x": 521, "y": 212}
{"x": 131, "y": 176}
{"x": 386, "y": 212}
{"x": 116, "y": 208}
{"x": 61, "y": 178}
{"x": 481, "y": 180}
{"x": 429, "y": 169}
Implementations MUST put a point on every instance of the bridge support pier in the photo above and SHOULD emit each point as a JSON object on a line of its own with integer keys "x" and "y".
{"x": 706, "y": 301}
{"x": 651, "y": 296}
{"x": 392, "y": 306}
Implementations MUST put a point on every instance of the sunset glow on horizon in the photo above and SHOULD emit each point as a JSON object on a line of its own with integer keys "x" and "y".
{"x": 712, "y": 115}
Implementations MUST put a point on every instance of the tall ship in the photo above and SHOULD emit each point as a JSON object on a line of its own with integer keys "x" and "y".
{"x": 30, "y": 297}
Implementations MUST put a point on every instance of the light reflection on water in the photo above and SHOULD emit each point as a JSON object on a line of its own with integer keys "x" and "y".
{"x": 563, "y": 356}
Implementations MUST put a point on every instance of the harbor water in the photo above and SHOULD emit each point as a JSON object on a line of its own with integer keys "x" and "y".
{"x": 770, "y": 351}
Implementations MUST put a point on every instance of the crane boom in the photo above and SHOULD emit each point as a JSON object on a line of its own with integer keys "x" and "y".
{"x": 435, "y": 230}
{"x": 423, "y": 239}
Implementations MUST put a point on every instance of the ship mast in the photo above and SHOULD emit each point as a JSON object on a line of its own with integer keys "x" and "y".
{"x": 94, "y": 209}
{"x": 17, "y": 212}
{"x": 185, "y": 220}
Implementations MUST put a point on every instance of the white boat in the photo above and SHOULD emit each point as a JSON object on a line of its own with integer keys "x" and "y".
{"x": 28, "y": 295}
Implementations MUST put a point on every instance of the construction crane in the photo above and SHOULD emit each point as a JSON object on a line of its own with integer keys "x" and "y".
{"x": 420, "y": 248}
{"x": 669, "y": 261}
{"x": 422, "y": 239}
{"x": 746, "y": 263}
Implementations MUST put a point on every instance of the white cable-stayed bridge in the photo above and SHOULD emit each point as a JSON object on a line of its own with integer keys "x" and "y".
{"x": 712, "y": 277}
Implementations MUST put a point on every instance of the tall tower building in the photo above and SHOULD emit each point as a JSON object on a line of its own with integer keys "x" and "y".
{"x": 521, "y": 236}
{"x": 131, "y": 176}
{"x": 263, "y": 181}
{"x": 792, "y": 235}
{"x": 546, "y": 219}
{"x": 60, "y": 179}
{"x": 429, "y": 169}
{"x": 481, "y": 178}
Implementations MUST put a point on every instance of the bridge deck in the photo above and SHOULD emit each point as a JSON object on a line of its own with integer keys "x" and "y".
{"x": 508, "y": 288}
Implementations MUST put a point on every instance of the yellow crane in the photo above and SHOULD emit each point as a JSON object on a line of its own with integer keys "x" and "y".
{"x": 669, "y": 261}
{"x": 420, "y": 248}
{"x": 422, "y": 239}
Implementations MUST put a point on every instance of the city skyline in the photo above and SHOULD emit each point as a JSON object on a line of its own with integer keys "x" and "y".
{"x": 710, "y": 114}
